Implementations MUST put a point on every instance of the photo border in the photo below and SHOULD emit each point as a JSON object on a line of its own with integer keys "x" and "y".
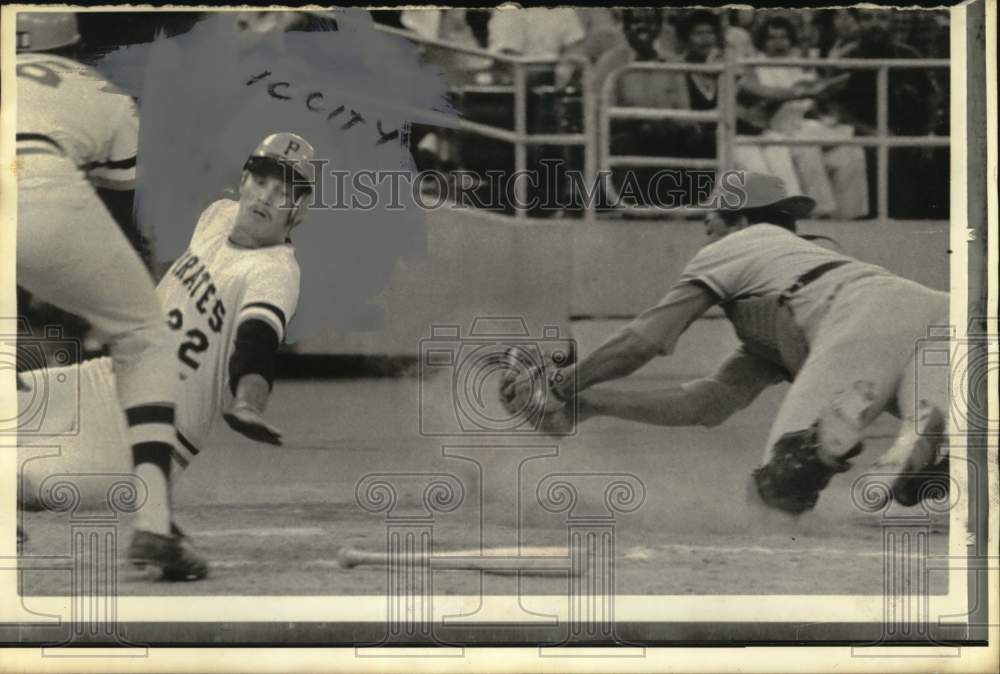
{"x": 970, "y": 193}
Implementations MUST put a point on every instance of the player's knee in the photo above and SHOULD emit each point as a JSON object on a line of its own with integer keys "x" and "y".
{"x": 798, "y": 470}
{"x": 842, "y": 423}
{"x": 145, "y": 340}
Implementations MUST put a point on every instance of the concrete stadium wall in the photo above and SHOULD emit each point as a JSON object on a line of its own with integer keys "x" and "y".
{"x": 548, "y": 270}
{"x": 622, "y": 267}
{"x": 477, "y": 264}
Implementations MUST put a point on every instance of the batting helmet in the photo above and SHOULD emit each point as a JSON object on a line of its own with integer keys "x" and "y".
{"x": 45, "y": 31}
{"x": 282, "y": 151}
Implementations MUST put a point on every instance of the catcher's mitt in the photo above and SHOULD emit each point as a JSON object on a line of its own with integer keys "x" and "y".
{"x": 526, "y": 384}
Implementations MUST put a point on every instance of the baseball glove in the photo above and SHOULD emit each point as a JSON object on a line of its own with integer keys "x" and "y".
{"x": 526, "y": 385}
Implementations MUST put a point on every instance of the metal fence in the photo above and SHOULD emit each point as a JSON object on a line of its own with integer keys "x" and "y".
{"x": 519, "y": 136}
{"x": 724, "y": 116}
{"x": 594, "y": 136}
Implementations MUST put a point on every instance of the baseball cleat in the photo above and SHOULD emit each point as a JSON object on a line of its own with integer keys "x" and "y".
{"x": 172, "y": 555}
{"x": 916, "y": 458}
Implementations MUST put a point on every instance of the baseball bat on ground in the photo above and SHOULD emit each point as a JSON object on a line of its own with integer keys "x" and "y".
{"x": 503, "y": 561}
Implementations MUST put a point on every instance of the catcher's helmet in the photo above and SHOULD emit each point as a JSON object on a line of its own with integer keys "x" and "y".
{"x": 281, "y": 151}
{"x": 45, "y": 31}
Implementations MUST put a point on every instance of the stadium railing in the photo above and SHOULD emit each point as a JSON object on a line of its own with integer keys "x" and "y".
{"x": 595, "y": 137}
{"x": 724, "y": 115}
{"x": 608, "y": 113}
{"x": 519, "y": 136}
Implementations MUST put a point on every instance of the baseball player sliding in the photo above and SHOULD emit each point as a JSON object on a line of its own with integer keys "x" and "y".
{"x": 845, "y": 333}
{"x": 227, "y": 301}
{"x": 75, "y": 134}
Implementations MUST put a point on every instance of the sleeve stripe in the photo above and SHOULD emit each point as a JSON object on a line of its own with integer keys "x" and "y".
{"x": 40, "y": 137}
{"x": 264, "y": 316}
{"x": 105, "y": 183}
{"x": 153, "y": 413}
{"x": 271, "y": 315}
{"x": 269, "y": 307}
{"x": 110, "y": 164}
{"x": 179, "y": 458}
{"x": 187, "y": 444}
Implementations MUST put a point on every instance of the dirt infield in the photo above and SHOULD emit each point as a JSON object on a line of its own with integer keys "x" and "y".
{"x": 273, "y": 519}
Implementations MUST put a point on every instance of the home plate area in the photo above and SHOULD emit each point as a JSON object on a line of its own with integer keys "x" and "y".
{"x": 290, "y": 520}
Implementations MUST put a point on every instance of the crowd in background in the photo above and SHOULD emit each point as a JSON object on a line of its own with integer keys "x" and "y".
{"x": 772, "y": 101}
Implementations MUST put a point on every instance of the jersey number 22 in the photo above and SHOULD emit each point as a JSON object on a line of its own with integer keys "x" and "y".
{"x": 195, "y": 343}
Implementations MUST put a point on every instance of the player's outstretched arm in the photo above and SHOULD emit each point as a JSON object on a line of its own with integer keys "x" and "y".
{"x": 704, "y": 402}
{"x": 251, "y": 373}
{"x": 651, "y": 334}
{"x": 620, "y": 356}
{"x": 246, "y": 416}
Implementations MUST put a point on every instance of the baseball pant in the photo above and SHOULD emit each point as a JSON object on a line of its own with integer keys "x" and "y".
{"x": 70, "y": 423}
{"x": 866, "y": 357}
{"x": 71, "y": 254}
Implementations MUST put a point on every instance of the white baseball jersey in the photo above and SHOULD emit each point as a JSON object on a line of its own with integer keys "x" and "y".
{"x": 206, "y": 294}
{"x": 862, "y": 326}
{"x": 760, "y": 260}
{"x": 95, "y": 125}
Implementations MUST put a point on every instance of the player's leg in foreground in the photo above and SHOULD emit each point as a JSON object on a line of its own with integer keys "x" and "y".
{"x": 854, "y": 372}
{"x": 918, "y": 457}
{"x": 72, "y": 254}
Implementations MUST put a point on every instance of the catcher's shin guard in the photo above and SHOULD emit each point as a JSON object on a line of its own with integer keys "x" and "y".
{"x": 795, "y": 475}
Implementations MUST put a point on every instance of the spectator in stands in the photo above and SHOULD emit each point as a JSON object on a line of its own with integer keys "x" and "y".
{"x": 914, "y": 104}
{"x": 808, "y": 34}
{"x": 701, "y": 37}
{"x": 640, "y": 29}
{"x": 637, "y": 88}
{"x": 739, "y": 36}
{"x": 447, "y": 25}
{"x": 846, "y": 31}
{"x": 439, "y": 148}
{"x": 535, "y": 31}
{"x": 758, "y": 99}
{"x": 784, "y": 95}
{"x": 542, "y": 32}
{"x": 910, "y": 90}
{"x": 925, "y": 31}
{"x": 601, "y": 30}
{"x": 554, "y": 34}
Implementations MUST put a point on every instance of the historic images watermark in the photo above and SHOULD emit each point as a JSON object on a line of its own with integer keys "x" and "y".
{"x": 472, "y": 359}
{"x": 47, "y": 365}
{"x": 497, "y": 491}
{"x": 43, "y": 366}
{"x": 551, "y": 187}
{"x": 954, "y": 481}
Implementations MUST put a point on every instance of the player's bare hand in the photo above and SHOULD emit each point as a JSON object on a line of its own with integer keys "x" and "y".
{"x": 247, "y": 421}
